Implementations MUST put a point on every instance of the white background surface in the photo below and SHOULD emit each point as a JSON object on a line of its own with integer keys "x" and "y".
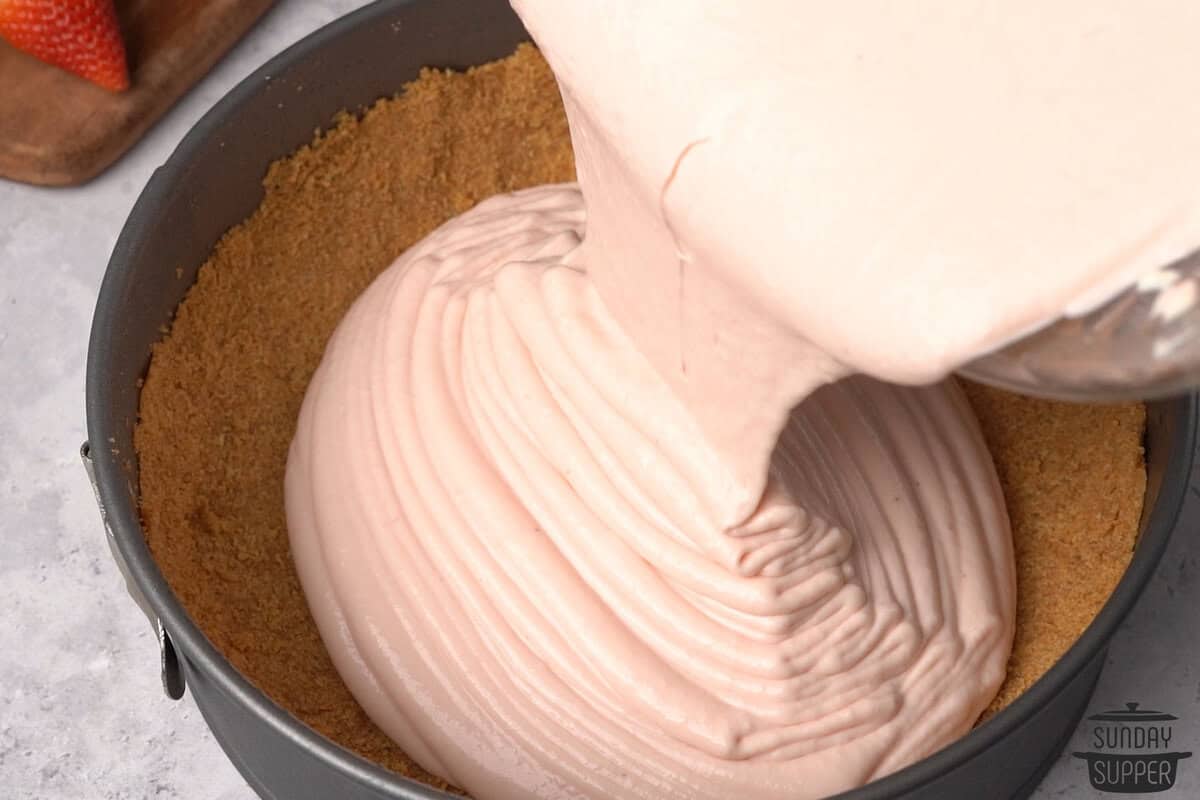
{"x": 81, "y": 712}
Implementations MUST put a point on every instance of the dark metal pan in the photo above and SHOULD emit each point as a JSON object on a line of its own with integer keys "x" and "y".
{"x": 212, "y": 182}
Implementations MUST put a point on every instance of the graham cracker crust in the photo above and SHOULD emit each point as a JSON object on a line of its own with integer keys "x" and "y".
{"x": 220, "y": 401}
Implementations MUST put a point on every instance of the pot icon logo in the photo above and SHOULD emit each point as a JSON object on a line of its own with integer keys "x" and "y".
{"x": 1132, "y": 751}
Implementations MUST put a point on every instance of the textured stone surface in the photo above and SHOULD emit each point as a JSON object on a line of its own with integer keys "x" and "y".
{"x": 81, "y": 712}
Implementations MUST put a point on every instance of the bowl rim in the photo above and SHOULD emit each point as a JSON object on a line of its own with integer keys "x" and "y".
{"x": 123, "y": 517}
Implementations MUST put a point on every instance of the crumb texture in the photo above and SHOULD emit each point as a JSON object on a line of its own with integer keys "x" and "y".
{"x": 1073, "y": 477}
{"x": 224, "y": 388}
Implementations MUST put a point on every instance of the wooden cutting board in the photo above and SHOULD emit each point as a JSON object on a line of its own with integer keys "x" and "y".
{"x": 57, "y": 129}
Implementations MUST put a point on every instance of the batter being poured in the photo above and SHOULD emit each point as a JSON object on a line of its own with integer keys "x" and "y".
{"x": 591, "y": 495}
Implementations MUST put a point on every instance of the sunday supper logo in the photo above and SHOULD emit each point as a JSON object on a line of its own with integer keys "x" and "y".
{"x": 1132, "y": 751}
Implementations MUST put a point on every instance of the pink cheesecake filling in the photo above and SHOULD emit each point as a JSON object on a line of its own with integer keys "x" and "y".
{"x": 594, "y": 493}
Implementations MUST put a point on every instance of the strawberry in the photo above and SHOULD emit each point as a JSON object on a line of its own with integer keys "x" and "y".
{"x": 81, "y": 36}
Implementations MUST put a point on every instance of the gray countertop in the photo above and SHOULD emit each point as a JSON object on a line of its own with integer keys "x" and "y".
{"x": 81, "y": 712}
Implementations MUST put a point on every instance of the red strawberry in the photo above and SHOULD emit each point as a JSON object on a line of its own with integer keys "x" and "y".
{"x": 81, "y": 36}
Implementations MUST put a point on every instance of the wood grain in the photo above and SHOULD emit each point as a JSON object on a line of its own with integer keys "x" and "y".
{"x": 57, "y": 129}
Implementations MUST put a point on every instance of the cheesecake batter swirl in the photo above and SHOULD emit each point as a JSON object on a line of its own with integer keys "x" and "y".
{"x": 590, "y": 495}
{"x": 513, "y": 542}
